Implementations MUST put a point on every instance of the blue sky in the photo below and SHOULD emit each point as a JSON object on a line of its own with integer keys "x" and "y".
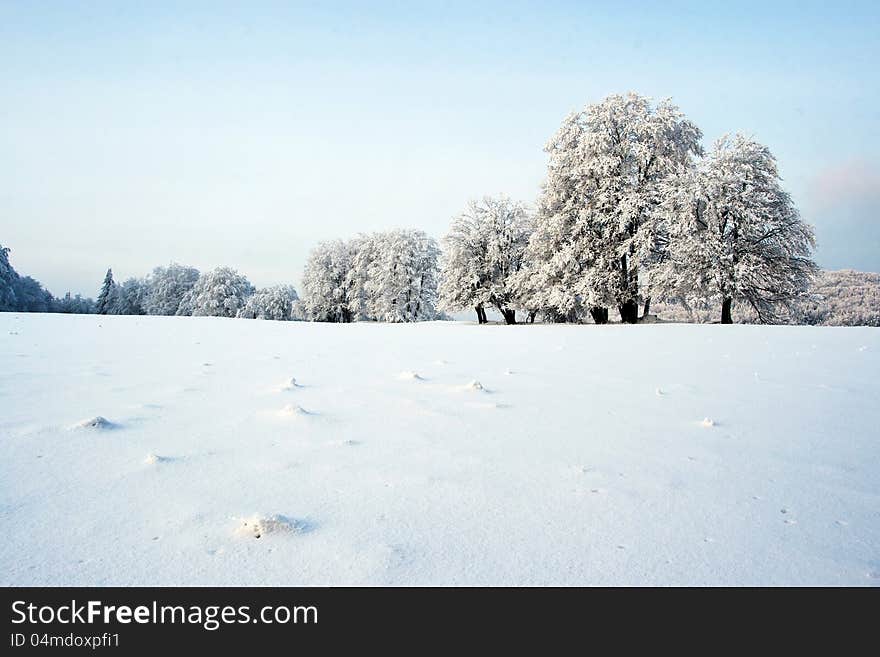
{"x": 242, "y": 133}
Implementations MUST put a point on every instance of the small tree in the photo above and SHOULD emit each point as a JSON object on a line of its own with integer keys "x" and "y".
{"x": 166, "y": 287}
{"x": 221, "y": 292}
{"x": 271, "y": 303}
{"x": 401, "y": 281}
{"x": 105, "y": 296}
{"x": 483, "y": 252}
{"x": 327, "y": 287}
{"x": 735, "y": 235}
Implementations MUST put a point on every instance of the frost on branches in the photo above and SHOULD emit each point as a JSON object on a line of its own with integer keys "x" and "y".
{"x": 389, "y": 277}
{"x": 327, "y": 292}
{"x": 275, "y": 302}
{"x": 734, "y": 235}
{"x": 483, "y": 252}
{"x": 166, "y": 287}
{"x": 221, "y": 292}
{"x": 597, "y": 223}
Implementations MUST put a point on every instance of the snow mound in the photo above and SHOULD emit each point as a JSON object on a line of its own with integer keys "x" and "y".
{"x": 410, "y": 376}
{"x": 153, "y": 459}
{"x": 292, "y": 410}
{"x": 290, "y": 384}
{"x": 707, "y": 422}
{"x": 508, "y": 372}
{"x": 474, "y": 385}
{"x": 660, "y": 392}
{"x": 98, "y": 423}
{"x": 258, "y": 526}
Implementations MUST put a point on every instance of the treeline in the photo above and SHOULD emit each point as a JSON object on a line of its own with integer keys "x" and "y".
{"x": 182, "y": 290}
{"x": 26, "y": 294}
{"x": 632, "y": 210}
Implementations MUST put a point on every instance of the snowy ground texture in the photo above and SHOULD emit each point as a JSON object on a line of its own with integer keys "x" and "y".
{"x": 661, "y": 454}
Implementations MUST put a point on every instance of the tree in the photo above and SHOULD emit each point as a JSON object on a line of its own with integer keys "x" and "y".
{"x": 597, "y": 222}
{"x": 105, "y": 296}
{"x": 271, "y": 303}
{"x": 30, "y": 296}
{"x": 8, "y": 278}
{"x": 221, "y": 292}
{"x": 401, "y": 281}
{"x": 166, "y": 287}
{"x": 128, "y": 298}
{"x": 75, "y": 305}
{"x": 483, "y": 251}
{"x": 327, "y": 285}
{"x": 734, "y": 234}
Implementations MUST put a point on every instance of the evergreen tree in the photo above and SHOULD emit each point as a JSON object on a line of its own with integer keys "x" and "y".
{"x": 105, "y": 296}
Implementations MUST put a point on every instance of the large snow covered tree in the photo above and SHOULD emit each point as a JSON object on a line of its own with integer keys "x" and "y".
{"x": 402, "y": 278}
{"x": 327, "y": 288}
{"x": 166, "y": 287}
{"x": 734, "y": 235}
{"x": 275, "y": 302}
{"x": 221, "y": 292}
{"x": 482, "y": 253}
{"x": 105, "y": 296}
{"x": 597, "y": 222}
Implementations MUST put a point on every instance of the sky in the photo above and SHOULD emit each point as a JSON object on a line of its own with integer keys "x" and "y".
{"x": 241, "y": 134}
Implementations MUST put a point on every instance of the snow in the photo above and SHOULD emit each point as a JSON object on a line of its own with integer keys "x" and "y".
{"x": 574, "y": 471}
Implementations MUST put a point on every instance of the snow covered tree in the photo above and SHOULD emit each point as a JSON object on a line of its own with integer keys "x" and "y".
{"x": 271, "y": 303}
{"x": 30, "y": 297}
{"x": 327, "y": 286}
{"x": 221, "y": 292}
{"x": 597, "y": 222}
{"x": 842, "y": 298}
{"x": 166, "y": 287}
{"x": 128, "y": 298}
{"x": 365, "y": 252}
{"x": 8, "y": 278}
{"x": 734, "y": 234}
{"x": 105, "y": 296}
{"x": 402, "y": 279}
{"x": 76, "y": 305}
{"x": 482, "y": 252}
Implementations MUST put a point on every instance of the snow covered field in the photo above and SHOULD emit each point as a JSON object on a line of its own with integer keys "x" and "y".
{"x": 657, "y": 454}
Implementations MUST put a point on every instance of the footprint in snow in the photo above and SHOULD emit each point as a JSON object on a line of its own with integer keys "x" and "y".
{"x": 155, "y": 459}
{"x": 290, "y": 384}
{"x": 97, "y": 423}
{"x": 474, "y": 386}
{"x": 708, "y": 423}
{"x": 293, "y": 410}
{"x": 258, "y": 526}
{"x": 410, "y": 376}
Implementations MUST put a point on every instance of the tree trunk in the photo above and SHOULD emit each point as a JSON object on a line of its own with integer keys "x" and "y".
{"x": 629, "y": 312}
{"x": 647, "y": 307}
{"x": 725, "y": 311}
{"x": 599, "y": 314}
{"x": 531, "y": 317}
{"x": 509, "y": 316}
{"x": 481, "y": 315}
